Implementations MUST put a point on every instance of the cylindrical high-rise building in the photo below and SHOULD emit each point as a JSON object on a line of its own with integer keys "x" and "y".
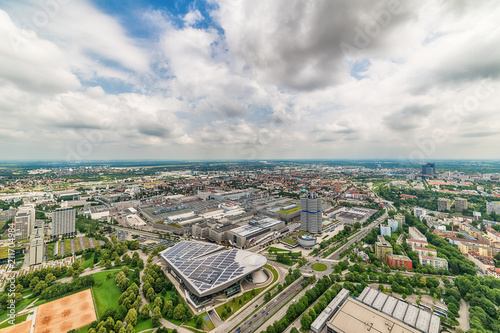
{"x": 311, "y": 216}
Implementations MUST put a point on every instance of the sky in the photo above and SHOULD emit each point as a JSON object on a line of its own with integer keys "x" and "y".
{"x": 260, "y": 79}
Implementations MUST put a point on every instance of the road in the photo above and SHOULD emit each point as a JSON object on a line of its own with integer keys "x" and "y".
{"x": 241, "y": 314}
{"x": 335, "y": 255}
{"x": 256, "y": 320}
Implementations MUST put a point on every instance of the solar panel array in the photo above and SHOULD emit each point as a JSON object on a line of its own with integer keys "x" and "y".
{"x": 201, "y": 266}
{"x": 407, "y": 313}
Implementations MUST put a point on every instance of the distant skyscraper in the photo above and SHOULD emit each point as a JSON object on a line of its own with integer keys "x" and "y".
{"x": 460, "y": 204}
{"x": 385, "y": 230}
{"x": 429, "y": 169}
{"x": 311, "y": 216}
{"x": 493, "y": 207}
{"x": 444, "y": 204}
{"x": 23, "y": 221}
{"x": 36, "y": 243}
{"x": 63, "y": 222}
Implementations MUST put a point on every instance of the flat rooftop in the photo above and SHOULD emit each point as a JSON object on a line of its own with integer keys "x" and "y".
{"x": 354, "y": 317}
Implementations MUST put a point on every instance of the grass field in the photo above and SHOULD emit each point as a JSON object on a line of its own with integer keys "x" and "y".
{"x": 86, "y": 242}
{"x": 18, "y": 320}
{"x": 143, "y": 324}
{"x": 50, "y": 250}
{"x": 67, "y": 246}
{"x": 78, "y": 246}
{"x": 107, "y": 294}
{"x": 319, "y": 267}
{"x": 88, "y": 263}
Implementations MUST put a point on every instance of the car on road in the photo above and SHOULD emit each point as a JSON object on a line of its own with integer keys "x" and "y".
{"x": 254, "y": 315}
{"x": 256, "y": 306}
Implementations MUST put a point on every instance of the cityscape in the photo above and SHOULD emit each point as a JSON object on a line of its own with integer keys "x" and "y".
{"x": 279, "y": 166}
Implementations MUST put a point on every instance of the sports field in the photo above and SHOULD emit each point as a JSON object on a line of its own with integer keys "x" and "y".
{"x": 62, "y": 315}
{"x": 19, "y": 328}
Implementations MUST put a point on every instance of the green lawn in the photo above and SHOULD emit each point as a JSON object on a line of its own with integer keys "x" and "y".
{"x": 17, "y": 320}
{"x": 50, "y": 250}
{"x": 319, "y": 267}
{"x": 143, "y": 324}
{"x": 88, "y": 263}
{"x": 67, "y": 246}
{"x": 273, "y": 270}
{"x": 86, "y": 242}
{"x": 107, "y": 294}
{"x": 78, "y": 246}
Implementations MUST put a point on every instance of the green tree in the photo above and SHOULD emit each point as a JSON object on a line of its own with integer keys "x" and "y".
{"x": 145, "y": 311}
{"x": 179, "y": 311}
{"x": 131, "y": 317}
{"x": 155, "y": 319}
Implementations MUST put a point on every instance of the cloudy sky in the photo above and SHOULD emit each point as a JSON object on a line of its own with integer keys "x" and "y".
{"x": 130, "y": 79}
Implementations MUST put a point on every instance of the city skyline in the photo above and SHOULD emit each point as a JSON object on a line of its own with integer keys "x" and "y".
{"x": 83, "y": 80}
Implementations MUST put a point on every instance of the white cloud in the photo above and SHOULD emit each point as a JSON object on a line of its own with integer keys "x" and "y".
{"x": 274, "y": 84}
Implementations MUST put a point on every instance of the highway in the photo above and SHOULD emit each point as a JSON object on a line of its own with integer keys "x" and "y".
{"x": 257, "y": 319}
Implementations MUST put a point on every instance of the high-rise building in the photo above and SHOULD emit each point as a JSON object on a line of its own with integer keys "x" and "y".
{"x": 429, "y": 169}
{"x": 22, "y": 223}
{"x": 36, "y": 243}
{"x": 63, "y": 222}
{"x": 460, "y": 204}
{"x": 381, "y": 249}
{"x": 311, "y": 215}
{"x": 385, "y": 230}
{"x": 393, "y": 224}
{"x": 444, "y": 204}
{"x": 493, "y": 207}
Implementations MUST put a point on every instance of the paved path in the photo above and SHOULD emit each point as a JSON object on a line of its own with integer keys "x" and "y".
{"x": 62, "y": 248}
{"x": 82, "y": 244}
{"x": 92, "y": 242}
{"x": 72, "y": 242}
{"x": 463, "y": 320}
{"x": 168, "y": 324}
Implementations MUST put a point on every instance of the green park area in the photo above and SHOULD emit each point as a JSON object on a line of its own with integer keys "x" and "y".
{"x": 319, "y": 267}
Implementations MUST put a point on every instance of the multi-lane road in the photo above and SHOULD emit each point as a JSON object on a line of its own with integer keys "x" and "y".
{"x": 269, "y": 309}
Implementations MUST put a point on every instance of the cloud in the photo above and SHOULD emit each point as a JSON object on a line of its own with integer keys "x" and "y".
{"x": 242, "y": 79}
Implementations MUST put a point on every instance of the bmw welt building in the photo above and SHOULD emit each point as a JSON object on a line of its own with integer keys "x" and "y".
{"x": 206, "y": 270}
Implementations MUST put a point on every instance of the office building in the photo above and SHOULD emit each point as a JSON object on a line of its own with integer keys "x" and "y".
{"x": 444, "y": 204}
{"x": 381, "y": 249}
{"x": 429, "y": 169}
{"x": 460, "y": 204}
{"x": 399, "y": 261}
{"x": 311, "y": 215}
{"x": 244, "y": 236}
{"x": 385, "y": 230}
{"x": 63, "y": 222}
{"x": 493, "y": 207}
{"x": 36, "y": 244}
